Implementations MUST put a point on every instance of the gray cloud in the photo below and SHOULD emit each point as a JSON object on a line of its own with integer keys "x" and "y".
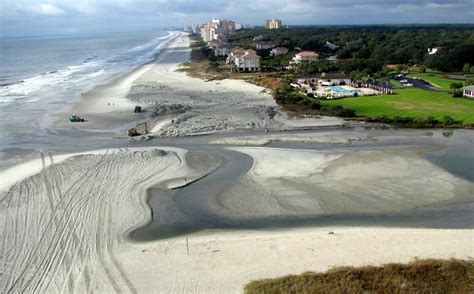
{"x": 24, "y": 17}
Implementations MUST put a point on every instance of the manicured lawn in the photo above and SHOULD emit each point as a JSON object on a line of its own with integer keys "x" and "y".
{"x": 396, "y": 83}
{"x": 410, "y": 102}
{"x": 440, "y": 82}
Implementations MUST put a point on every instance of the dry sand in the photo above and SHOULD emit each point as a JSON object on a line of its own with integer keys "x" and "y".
{"x": 62, "y": 228}
{"x": 307, "y": 182}
{"x": 186, "y": 106}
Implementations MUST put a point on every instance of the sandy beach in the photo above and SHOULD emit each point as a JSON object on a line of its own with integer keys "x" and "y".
{"x": 178, "y": 105}
{"x": 238, "y": 196}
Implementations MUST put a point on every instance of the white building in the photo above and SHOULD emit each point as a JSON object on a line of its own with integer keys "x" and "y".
{"x": 468, "y": 91}
{"x": 217, "y": 29}
{"x": 207, "y": 33}
{"x": 324, "y": 79}
{"x": 432, "y": 51}
{"x": 264, "y": 45}
{"x": 331, "y": 45}
{"x": 273, "y": 24}
{"x": 248, "y": 61}
{"x": 304, "y": 57}
{"x": 278, "y": 51}
{"x": 234, "y": 53}
{"x": 221, "y": 49}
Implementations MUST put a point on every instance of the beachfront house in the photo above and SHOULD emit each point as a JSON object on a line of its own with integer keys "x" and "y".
{"x": 221, "y": 49}
{"x": 248, "y": 61}
{"x": 304, "y": 57}
{"x": 278, "y": 51}
{"x": 468, "y": 91}
{"x": 263, "y": 45}
{"x": 233, "y": 53}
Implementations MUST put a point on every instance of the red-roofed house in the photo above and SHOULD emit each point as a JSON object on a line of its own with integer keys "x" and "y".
{"x": 264, "y": 45}
{"x": 237, "y": 52}
{"x": 249, "y": 61}
{"x": 278, "y": 51}
{"x": 305, "y": 56}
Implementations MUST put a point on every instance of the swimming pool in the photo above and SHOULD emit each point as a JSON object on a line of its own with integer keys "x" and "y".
{"x": 341, "y": 89}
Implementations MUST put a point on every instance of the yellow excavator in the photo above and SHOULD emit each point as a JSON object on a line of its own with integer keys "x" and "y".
{"x": 140, "y": 129}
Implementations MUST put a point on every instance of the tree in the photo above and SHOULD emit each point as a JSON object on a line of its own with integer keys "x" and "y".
{"x": 455, "y": 86}
{"x": 472, "y": 69}
{"x": 466, "y": 67}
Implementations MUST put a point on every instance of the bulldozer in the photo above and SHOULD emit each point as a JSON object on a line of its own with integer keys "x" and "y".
{"x": 140, "y": 129}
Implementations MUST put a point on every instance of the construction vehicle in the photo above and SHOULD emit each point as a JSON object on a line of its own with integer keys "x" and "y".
{"x": 138, "y": 131}
{"x": 76, "y": 118}
{"x": 137, "y": 109}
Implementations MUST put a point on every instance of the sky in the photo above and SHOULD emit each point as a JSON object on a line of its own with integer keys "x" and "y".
{"x": 50, "y": 17}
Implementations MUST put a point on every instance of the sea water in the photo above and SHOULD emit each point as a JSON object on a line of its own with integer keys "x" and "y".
{"x": 40, "y": 76}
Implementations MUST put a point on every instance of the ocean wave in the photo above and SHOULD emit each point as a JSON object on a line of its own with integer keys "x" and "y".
{"x": 85, "y": 73}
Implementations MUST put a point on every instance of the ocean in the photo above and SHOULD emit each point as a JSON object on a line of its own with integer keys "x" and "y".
{"x": 41, "y": 76}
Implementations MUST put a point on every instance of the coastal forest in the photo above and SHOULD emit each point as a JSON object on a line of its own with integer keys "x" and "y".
{"x": 371, "y": 47}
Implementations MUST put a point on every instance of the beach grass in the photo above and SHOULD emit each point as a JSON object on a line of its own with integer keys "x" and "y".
{"x": 421, "y": 276}
{"x": 438, "y": 81}
{"x": 411, "y": 102}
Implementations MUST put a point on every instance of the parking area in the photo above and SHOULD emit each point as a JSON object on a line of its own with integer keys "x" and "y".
{"x": 415, "y": 82}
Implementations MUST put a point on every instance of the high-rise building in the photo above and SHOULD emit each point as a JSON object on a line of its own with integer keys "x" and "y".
{"x": 273, "y": 24}
{"x": 217, "y": 29}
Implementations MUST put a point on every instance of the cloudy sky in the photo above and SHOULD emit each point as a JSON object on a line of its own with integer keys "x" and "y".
{"x": 46, "y": 17}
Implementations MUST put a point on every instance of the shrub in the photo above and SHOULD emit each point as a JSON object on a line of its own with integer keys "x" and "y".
{"x": 457, "y": 93}
{"x": 448, "y": 121}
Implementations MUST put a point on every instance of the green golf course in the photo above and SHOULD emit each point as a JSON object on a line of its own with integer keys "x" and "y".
{"x": 410, "y": 102}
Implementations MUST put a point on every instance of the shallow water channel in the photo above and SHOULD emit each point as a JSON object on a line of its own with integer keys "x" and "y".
{"x": 190, "y": 209}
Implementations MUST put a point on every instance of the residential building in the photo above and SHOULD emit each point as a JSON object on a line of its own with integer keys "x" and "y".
{"x": 468, "y": 91}
{"x": 233, "y": 53}
{"x": 434, "y": 50}
{"x": 264, "y": 45}
{"x": 331, "y": 45}
{"x": 221, "y": 49}
{"x": 333, "y": 79}
{"x": 207, "y": 33}
{"x": 305, "y": 57}
{"x": 324, "y": 79}
{"x": 250, "y": 61}
{"x": 278, "y": 51}
{"x": 273, "y": 24}
{"x": 217, "y": 29}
